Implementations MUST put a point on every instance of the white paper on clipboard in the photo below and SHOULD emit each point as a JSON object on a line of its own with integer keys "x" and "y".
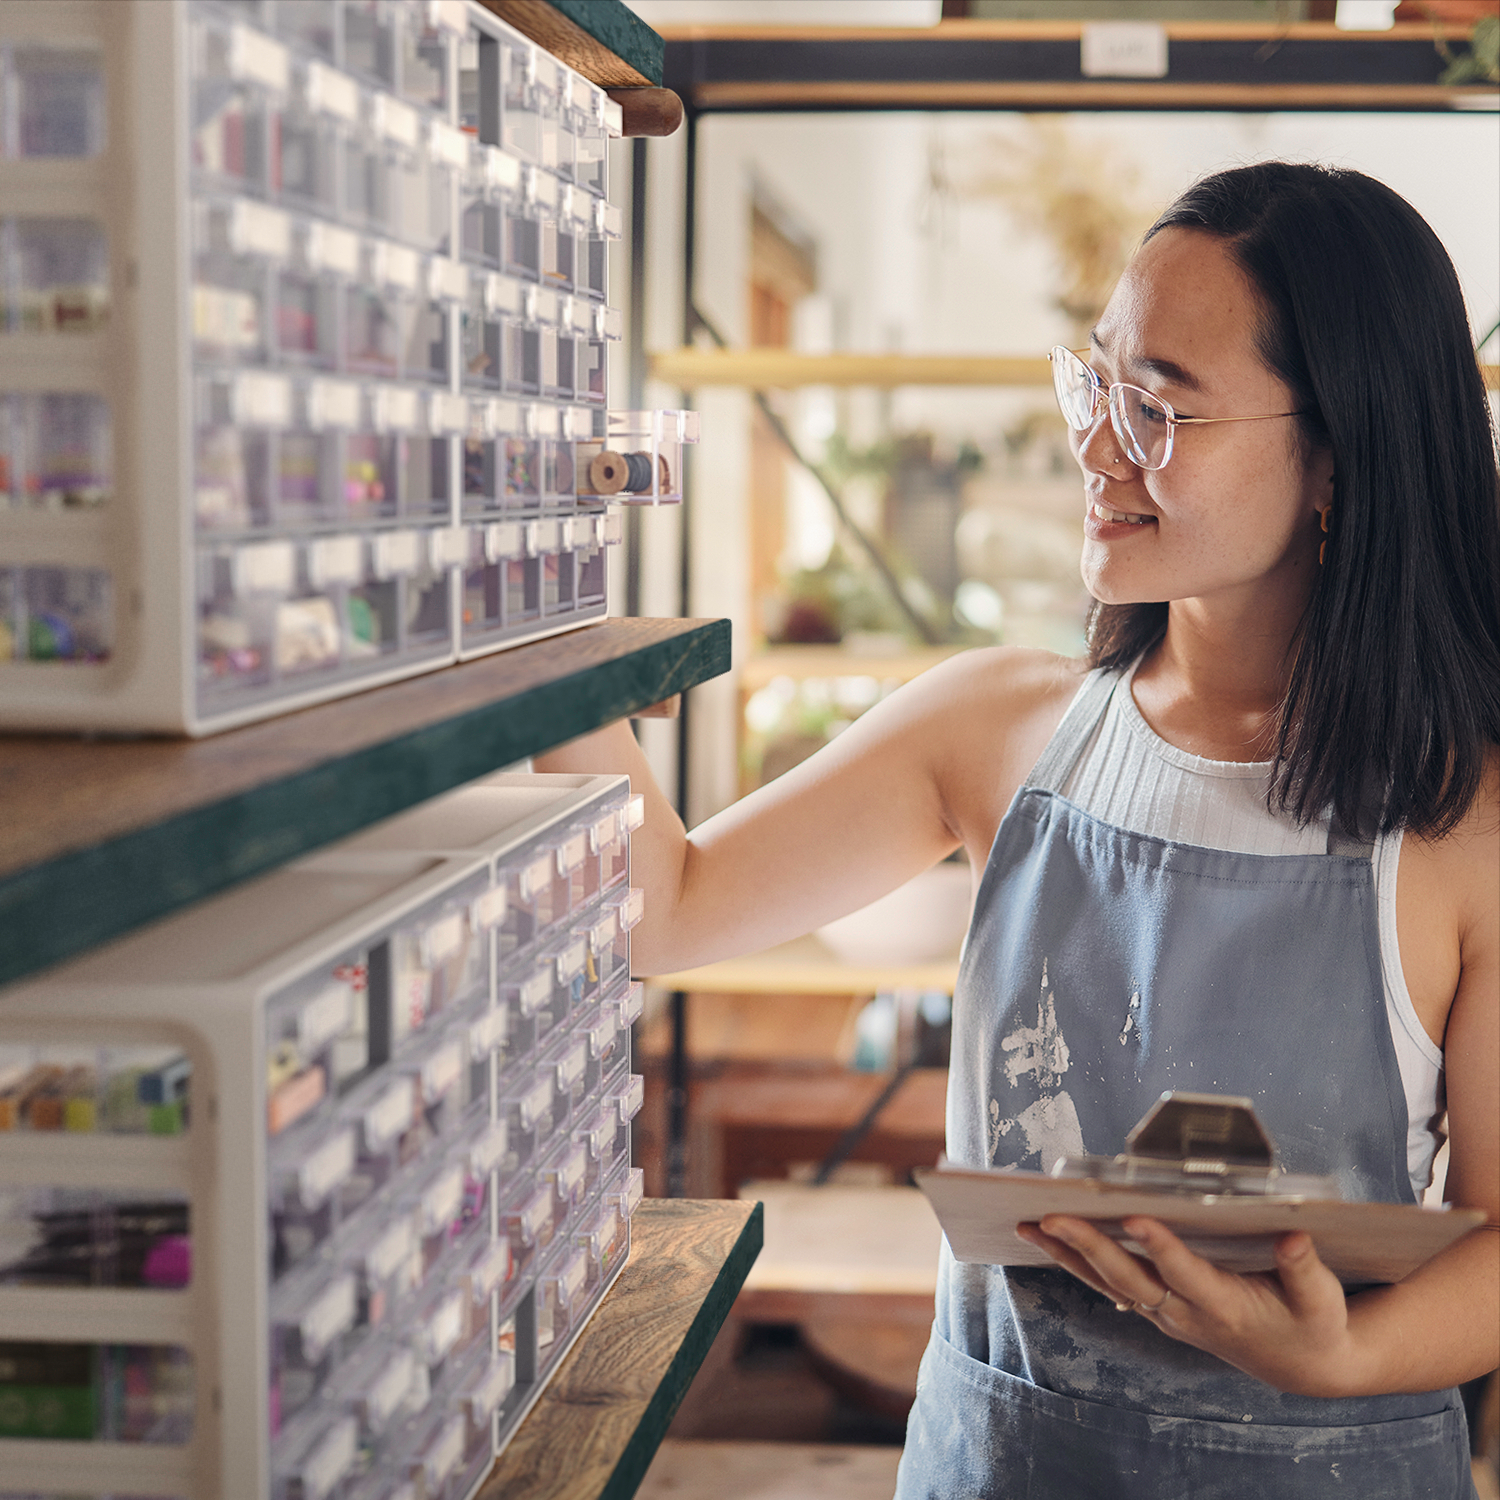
{"x": 979, "y": 1209}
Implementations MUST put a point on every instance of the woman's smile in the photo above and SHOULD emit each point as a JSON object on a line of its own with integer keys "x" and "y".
{"x": 1104, "y": 513}
{"x": 1103, "y": 523}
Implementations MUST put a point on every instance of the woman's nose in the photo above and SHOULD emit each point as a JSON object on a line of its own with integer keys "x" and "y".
{"x": 1098, "y": 449}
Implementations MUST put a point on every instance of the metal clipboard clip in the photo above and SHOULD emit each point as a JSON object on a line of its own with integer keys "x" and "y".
{"x": 1201, "y": 1144}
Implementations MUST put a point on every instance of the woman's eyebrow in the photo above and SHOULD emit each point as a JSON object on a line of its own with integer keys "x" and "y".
{"x": 1165, "y": 369}
{"x": 1171, "y": 371}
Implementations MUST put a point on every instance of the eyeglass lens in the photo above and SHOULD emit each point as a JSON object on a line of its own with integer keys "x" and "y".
{"x": 1076, "y": 390}
{"x": 1141, "y": 422}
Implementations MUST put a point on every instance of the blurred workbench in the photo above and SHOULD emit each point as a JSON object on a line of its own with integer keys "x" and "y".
{"x": 806, "y": 967}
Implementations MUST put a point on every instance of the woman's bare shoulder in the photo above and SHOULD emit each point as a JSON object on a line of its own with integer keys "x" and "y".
{"x": 989, "y": 714}
{"x": 1011, "y": 686}
{"x": 1468, "y": 858}
{"x": 1448, "y": 910}
{"x": 1466, "y": 862}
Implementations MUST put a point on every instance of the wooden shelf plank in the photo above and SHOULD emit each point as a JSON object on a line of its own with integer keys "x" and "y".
{"x": 1037, "y": 65}
{"x": 592, "y": 1434}
{"x": 987, "y": 29}
{"x": 785, "y": 369}
{"x": 901, "y": 94}
{"x": 97, "y": 837}
{"x": 602, "y": 39}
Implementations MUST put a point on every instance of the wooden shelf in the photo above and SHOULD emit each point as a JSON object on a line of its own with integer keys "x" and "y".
{"x": 1036, "y": 65}
{"x": 805, "y": 967}
{"x": 97, "y": 837}
{"x": 592, "y": 1434}
{"x": 784, "y": 369}
{"x": 602, "y": 39}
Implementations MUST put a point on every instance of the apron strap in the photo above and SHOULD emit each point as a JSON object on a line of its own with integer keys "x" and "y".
{"x": 1081, "y": 717}
{"x": 1340, "y": 841}
{"x": 1055, "y": 764}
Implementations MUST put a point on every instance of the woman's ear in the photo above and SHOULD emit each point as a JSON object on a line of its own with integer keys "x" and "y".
{"x": 1319, "y": 474}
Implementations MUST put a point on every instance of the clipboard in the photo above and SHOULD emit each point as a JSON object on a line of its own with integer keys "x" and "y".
{"x": 1204, "y": 1166}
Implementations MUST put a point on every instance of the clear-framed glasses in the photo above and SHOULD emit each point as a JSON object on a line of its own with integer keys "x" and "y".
{"x": 1143, "y": 423}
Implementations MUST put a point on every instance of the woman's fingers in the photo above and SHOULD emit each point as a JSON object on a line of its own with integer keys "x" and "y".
{"x": 1293, "y": 1321}
{"x": 1112, "y": 1269}
{"x": 1069, "y": 1259}
{"x": 1190, "y": 1276}
{"x": 1311, "y": 1289}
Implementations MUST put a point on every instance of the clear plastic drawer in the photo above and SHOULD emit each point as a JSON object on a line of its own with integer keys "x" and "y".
{"x": 314, "y": 1456}
{"x": 56, "y": 615}
{"x": 240, "y": 76}
{"x": 94, "y": 1237}
{"x": 529, "y": 1221}
{"x": 437, "y": 960}
{"x": 527, "y": 994}
{"x": 606, "y": 1142}
{"x": 54, "y": 275}
{"x": 311, "y": 139}
{"x": 141, "y": 1090}
{"x": 313, "y": 1316}
{"x": 527, "y": 1106}
{"x": 567, "y": 1059}
{"x": 113, "y": 1393}
{"x": 56, "y": 101}
{"x": 374, "y": 1387}
{"x": 560, "y": 1299}
{"x": 387, "y": 1265}
{"x": 317, "y": 1039}
{"x": 56, "y": 452}
{"x": 604, "y": 1239}
{"x": 639, "y": 461}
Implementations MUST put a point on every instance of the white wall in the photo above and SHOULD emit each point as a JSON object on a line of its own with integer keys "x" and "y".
{"x": 914, "y": 261}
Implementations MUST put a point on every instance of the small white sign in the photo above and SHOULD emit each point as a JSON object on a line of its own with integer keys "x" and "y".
{"x": 1364, "y": 15}
{"x": 1124, "y": 49}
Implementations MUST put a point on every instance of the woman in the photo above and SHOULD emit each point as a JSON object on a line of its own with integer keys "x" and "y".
{"x": 1255, "y": 850}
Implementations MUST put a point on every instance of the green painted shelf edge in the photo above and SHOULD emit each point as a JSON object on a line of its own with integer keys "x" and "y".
{"x": 613, "y": 24}
{"x": 652, "y": 1428}
{"x": 63, "y": 906}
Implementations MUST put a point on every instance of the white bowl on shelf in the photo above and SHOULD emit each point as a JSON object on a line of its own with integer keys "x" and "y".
{"x": 921, "y": 922}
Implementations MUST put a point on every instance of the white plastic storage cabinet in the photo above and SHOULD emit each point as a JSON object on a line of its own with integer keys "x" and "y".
{"x": 302, "y": 354}
{"x": 305, "y": 1192}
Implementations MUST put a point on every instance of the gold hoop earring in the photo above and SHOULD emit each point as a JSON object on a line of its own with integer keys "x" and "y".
{"x": 1323, "y": 516}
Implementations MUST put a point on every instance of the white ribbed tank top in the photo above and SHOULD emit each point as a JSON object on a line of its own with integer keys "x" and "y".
{"x": 1129, "y": 776}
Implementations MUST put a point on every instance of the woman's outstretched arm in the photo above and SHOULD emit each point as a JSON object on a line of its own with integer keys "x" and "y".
{"x": 931, "y": 767}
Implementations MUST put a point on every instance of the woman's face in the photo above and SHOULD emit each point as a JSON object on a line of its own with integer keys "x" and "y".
{"x": 1232, "y": 517}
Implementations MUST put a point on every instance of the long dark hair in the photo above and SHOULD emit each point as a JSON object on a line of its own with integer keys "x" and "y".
{"x": 1394, "y": 692}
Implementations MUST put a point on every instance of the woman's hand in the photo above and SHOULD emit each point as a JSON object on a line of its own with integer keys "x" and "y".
{"x": 1289, "y": 1328}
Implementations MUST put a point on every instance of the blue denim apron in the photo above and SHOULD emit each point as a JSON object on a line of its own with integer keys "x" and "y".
{"x": 1102, "y": 967}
